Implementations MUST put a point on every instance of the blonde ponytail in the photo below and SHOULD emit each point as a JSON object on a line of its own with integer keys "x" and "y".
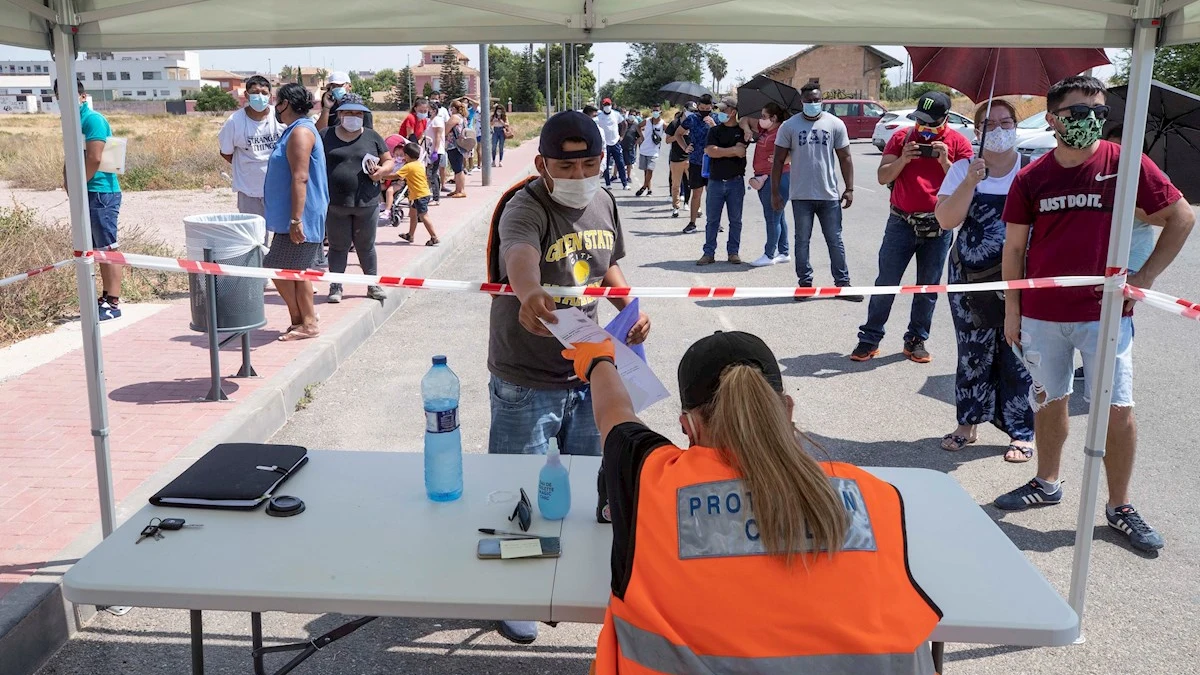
{"x": 749, "y": 424}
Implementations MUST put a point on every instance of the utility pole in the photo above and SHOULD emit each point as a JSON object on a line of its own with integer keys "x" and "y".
{"x": 562, "y": 89}
{"x": 548, "y": 99}
{"x": 485, "y": 94}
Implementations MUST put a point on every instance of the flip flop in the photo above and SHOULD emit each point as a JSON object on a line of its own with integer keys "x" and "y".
{"x": 298, "y": 334}
{"x": 433, "y": 242}
{"x": 959, "y": 442}
{"x": 1021, "y": 453}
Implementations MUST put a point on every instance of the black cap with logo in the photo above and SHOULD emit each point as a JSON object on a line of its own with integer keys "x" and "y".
{"x": 932, "y": 108}
{"x": 701, "y": 367}
{"x": 566, "y": 126}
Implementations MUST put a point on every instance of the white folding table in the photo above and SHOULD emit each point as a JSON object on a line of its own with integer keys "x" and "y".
{"x": 371, "y": 543}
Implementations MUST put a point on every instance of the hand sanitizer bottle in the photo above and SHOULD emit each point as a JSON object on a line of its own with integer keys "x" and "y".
{"x": 554, "y": 486}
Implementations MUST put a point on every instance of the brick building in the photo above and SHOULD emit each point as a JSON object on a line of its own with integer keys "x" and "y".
{"x": 429, "y": 71}
{"x": 853, "y": 69}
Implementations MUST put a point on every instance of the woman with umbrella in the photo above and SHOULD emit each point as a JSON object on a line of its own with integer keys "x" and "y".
{"x": 992, "y": 385}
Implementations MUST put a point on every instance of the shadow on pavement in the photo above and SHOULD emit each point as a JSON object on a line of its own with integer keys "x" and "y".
{"x": 925, "y": 453}
{"x": 1028, "y": 539}
{"x": 183, "y": 390}
{"x": 746, "y": 302}
{"x": 832, "y": 364}
{"x": 719, "y": 267}
{"x": 983, "y": 652}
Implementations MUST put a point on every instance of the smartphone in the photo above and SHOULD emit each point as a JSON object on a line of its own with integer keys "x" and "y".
{"x": 926, "y": 150}
{"x": 489, "y": 549}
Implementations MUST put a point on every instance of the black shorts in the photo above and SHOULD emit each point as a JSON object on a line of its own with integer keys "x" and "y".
{"x": 695, "y": 179}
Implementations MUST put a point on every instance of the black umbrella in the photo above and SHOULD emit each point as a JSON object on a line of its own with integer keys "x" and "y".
{"x": 1172, "y": 133}
{"x": 756, "y": 93}
{"x": 679, "y": 93}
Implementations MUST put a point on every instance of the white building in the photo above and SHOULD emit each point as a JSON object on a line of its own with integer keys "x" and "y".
{"x": 137, "y": 76}
{"x": 16, "y": 92}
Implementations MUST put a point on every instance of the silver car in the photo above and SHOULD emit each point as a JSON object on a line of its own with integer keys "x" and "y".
{"x": 899, "y": 119}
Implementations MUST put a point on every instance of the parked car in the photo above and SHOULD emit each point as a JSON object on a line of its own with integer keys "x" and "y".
{"x": 899, "y": 119}
{"x": 860, "y": 115}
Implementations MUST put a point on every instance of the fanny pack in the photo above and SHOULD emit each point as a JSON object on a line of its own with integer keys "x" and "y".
{"x": 985, "y": 308}
{"x": 924, "y": 225}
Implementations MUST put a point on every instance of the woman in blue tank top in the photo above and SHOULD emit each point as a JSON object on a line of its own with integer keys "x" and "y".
{"x": 296, "y": 196}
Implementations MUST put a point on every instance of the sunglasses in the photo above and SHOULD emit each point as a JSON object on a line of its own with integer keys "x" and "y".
{"x": 1080, "y": 111}
{"x": 523, "y": 514}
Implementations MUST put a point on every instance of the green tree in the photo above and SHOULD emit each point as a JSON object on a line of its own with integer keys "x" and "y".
{"x": 402, "y": 95}
{"x": 322, "y": 75}
{"x": 609, "y": 89}
{"x": 287, "y": 73}
{"x": 919, "y": 89}
{"x": 454, "y": 85}
{"x": 384, "y": 79}
{"x": 650, "y": 65}
{"x": 215, "y": 99}
{"x": 428, "y": 91}
{"x": 528, "y": 96}
{"x": 719, "y": 67}
{"x": 504, "y": 66}
{"x": 361, "y": 86}
{"x": 1177, "y": 66}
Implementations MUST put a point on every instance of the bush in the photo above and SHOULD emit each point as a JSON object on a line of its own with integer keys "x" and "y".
{"x": 39, "y": 304}
{"x": 215, "y": 99}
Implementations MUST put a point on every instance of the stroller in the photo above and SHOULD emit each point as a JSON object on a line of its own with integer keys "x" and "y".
{"x": 396, "y": 214}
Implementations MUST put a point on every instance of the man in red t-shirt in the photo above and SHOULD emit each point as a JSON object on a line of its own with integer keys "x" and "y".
{"x": 915, "y": 162}
{"x": 1059, "y": 215}
{"x": 413, "y": 126}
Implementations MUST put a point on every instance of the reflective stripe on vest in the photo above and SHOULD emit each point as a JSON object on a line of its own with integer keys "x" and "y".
{"x": 658, "y": 654}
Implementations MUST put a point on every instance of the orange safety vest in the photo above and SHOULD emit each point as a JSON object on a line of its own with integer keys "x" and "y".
{"x": 704, "y": 597}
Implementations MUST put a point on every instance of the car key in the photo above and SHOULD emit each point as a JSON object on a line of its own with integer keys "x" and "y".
{"x": 171, "y": 524}
{"x": 149, "y": 531}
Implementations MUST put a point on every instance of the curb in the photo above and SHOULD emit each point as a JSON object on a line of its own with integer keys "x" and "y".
{"x": 35, "y": 619}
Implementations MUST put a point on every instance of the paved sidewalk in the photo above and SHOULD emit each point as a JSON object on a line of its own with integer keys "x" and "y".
{"x": 155, "y": 372}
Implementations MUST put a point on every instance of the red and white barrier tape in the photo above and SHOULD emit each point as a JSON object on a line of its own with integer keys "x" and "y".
{"x": 34, "y": 272}
{"x": 1185, "y": 308}
{"x": 693, "y": 292}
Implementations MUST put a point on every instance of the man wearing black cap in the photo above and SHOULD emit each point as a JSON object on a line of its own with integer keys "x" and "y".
{"x": 561, "y": 229}
{"x": 915, "y": 162}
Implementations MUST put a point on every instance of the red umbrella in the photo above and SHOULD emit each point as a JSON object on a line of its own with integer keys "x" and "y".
{"x": 1002, "y": 71}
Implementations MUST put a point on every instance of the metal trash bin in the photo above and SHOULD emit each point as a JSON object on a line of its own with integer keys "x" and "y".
{"x": 234, "y": 239}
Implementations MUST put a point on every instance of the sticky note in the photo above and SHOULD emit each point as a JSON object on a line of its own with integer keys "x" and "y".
{"x": 520, "y": 548}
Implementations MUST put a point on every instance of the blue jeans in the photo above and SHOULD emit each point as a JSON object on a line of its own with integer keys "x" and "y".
{"x": 498, "y": 143}
{"x": 616, "y": 155}
{"x": 899, "y": 246}
{"x": 777, "y": 236}
{"x": 829, "y": 211}
{"x": 525, "y": 419}
{"x": 727, "y": 193}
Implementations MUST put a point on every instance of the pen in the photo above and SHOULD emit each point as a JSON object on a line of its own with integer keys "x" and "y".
{"x": 504, "y": 533}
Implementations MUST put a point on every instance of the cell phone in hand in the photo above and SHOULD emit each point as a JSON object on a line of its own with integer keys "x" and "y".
{"x": 926, "y": 150}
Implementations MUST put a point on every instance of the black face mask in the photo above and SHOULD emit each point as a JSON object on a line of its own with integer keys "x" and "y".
{"x": 279, "y": 115}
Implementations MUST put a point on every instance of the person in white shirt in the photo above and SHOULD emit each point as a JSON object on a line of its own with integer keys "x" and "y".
{"x": 650, "y": 137}
{"x": 246, "y": 141}
{"x": 436, "y": 133}
{"x": 612, "y": 127}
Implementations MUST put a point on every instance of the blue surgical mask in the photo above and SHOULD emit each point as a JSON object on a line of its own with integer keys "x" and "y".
{"x": 812, "y": 109}
{"x": 656, "y": 114}
{"x": 259, "y": 102}
{"x": 722, "y": 118}
{"x": 422, "y": 116}
{"x": 339, "y": 93}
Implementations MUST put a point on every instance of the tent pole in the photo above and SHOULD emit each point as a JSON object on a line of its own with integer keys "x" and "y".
{"x": 485, "y": 108}
{"x": 1145, "y": 37}
{"x": 81, "y": 239}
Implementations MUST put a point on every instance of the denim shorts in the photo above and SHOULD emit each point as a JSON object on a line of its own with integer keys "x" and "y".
{"x": 421, "y": 206}
{"x": 1048, "y": 351}
{"x": 103, "y": 209}
{"x": 524, "y": 420}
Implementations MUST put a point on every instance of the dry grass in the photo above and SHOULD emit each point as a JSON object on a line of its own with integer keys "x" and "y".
{"x": 165, "y": 151}
{"x": 37, "y": 305}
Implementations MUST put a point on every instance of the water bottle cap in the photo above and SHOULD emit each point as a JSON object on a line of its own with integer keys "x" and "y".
{"x": 552, "y": 451}
{"x": 439, "y": 360}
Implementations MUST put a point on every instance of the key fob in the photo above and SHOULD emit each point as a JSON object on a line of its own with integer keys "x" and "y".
{"x": 171, "y": 524}
{"x": 149, "y": 530}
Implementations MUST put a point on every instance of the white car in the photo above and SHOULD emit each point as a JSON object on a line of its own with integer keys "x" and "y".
{"x": 1035, "y": 137}
{"x": 899, "y": 119}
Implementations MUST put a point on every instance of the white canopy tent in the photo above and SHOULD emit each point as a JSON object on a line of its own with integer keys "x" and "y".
{"x": 68, "y": 26}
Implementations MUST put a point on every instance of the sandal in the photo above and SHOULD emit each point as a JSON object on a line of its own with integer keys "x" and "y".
{"x": 954, "y": 442}
{"x": 406, "y": 237}
{"x": 1018, "y": 454}
{"x": 458, "y": 195}
{"x": 299, "y": 334}
{"x": 433, "y": 241}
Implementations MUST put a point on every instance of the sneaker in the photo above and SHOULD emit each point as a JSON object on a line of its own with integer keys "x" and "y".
{"x": 376, "y": 293}
{"x": 649, "y": 193}
{"x": 641, "y": 191}
{"x": 803, "y": 298}
{"x": 689, "y": 228}
{"x": 706, "y": 260}
{"x": 735, "y": 259}
{"x": 915, "y": 351}
{"x": 848, "y": 298}
{"x": 783, "y": 258}
{"x": 720, "y": 228}
{"x": 335, "y": 293}
{"x": 674, "y": 212}
{"x": 520, "y": 632}
{"x": 763, "y": 261}
{"x": 865, "y": 351}
{"x": 625, "y": 186}
{"x": 1030, "y": 494}
{"x": 1079, "y": 373}
{"x": 1141, "y": 536}
{"x": 108, "y": 311}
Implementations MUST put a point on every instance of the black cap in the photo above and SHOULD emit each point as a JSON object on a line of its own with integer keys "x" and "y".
{"x": 932, "y": 108}
{"x": 702, "y": 364}
{"x": 565, "y": 126}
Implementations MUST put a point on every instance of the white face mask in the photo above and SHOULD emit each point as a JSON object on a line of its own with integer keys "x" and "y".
{"x": 351, "y": 124}
{"x": 575, "y": 193}
{"x": 1000, "y": 140}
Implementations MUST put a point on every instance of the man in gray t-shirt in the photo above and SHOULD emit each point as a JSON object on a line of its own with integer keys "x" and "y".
{"x": 814, "y": 141}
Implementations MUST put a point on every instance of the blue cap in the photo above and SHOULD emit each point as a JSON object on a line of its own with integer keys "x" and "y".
{"x": 439, "y": 360}
{"x": 352, "y": 102}
{"x": 570, "y": 125}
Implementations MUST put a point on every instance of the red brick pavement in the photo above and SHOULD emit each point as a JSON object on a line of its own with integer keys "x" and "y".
{"x": 155, "y": 371}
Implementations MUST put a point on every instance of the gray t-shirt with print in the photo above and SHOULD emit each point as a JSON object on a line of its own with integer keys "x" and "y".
{"x": 577, "y": 246}
{"x": 813, "y": 145}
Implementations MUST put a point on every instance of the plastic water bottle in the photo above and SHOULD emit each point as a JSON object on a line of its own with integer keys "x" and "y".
{"x": 554, "y": 486}
{"x": 443, "y": 439}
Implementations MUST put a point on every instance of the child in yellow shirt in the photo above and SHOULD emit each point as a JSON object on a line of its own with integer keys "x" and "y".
{"x": 413, "y": 173}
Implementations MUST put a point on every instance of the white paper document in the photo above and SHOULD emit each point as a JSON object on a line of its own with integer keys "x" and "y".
{"x": 369, "y": 162}
{"x": 644, "y": 387}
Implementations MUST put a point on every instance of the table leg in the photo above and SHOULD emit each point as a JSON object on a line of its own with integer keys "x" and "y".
{"x": 256, "y": 635}
{"x": 939, "y": 649}
{"x": 197, "y": 642}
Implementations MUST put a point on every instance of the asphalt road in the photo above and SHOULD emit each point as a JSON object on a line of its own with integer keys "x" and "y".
{"x": 1142, "y": 610}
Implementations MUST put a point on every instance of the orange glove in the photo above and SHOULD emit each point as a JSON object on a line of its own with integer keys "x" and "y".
{"x": 587, "y": 354}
